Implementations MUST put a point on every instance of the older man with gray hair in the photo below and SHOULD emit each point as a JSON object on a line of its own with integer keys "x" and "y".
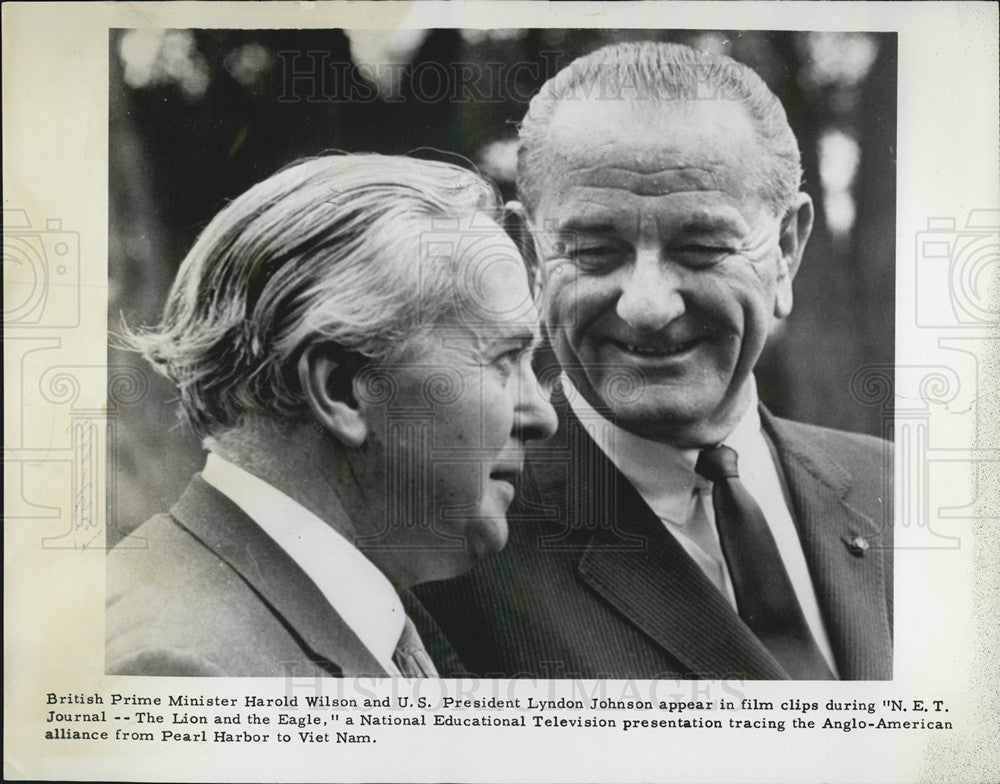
{"x": 351, "y": 337}
{"x": 674, "y": 528}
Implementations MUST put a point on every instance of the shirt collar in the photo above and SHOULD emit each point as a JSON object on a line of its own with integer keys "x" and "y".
{"x": 663, "y": 474}
{"x": 352, "y": 584}
{"x": 746, "y": 438}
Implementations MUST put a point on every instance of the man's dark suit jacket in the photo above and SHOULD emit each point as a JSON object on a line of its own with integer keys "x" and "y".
{"x": 591, "y": 585}
{"x": 204, "y": 591}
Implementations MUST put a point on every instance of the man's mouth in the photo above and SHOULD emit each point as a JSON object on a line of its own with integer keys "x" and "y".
{"x": 505, "y": 475}
{"x": 656, "y": 350}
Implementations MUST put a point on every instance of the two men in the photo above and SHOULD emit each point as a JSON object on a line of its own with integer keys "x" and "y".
{"x": 351, "y": 338}
{"x": 368, "y": 402}
{"x": 674, "y": 528}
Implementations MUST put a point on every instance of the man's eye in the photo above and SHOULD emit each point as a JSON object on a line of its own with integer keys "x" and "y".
{"x": 703, "y": 254}
{"x": 509, "y": 360}
{"x": 596, "y": 257}
{"x": 704, "y": 249}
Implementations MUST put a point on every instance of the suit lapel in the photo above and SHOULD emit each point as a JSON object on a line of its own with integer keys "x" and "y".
{"x": 641, "y": 570}
{"x": 849, "y": 581}
{"x": 234, "y": 537}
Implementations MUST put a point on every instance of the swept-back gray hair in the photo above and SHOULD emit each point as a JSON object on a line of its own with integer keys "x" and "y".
{"x": 327, "y": 249}
{"x": 649, "y": 70}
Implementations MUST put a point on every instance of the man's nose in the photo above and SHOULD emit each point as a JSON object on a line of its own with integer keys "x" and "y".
{"x": 534, "y": 416}
{"x": 650, "y": 296}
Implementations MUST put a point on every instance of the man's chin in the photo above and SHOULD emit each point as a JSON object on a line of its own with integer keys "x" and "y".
{"x": 676, "y": 422}
{"x": 488, "y": 537}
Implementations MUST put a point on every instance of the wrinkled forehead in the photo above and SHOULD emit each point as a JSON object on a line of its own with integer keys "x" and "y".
{"x": 653, "y": 148}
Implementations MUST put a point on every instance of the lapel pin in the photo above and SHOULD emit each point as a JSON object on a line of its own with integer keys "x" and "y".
{"x": 857, "y": 546}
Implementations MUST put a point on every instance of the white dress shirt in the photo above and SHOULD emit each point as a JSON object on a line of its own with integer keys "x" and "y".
{"x": 352, "y": 584}
{"x": 665, "y": 478}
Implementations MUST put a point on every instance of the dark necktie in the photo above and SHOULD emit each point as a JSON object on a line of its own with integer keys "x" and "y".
{"x": 765, "y": 597}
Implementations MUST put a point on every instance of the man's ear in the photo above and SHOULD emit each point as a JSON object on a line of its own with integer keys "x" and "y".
{"x": 326, "y": 384}
{"x": 517, "y": 222}
{"x": 796, "y": 227}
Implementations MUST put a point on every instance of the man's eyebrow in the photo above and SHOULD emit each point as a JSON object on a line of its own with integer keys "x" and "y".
{"x": 708, "y": 224}
{"x": 587, "y": 225}
{"x": 521, "y": 337}
{"x": 708, "y": 220}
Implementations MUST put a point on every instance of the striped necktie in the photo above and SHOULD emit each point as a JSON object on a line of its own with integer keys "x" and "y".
{"x": 410, "y": 655}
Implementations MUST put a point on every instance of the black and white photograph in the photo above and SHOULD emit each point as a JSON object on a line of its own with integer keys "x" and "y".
{"x": 602, "y": 445}
{"x": 501, "y": 391}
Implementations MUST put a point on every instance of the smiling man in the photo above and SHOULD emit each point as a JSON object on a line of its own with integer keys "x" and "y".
{"x": 359, "y": 369}
{"x": 674, "y": 528}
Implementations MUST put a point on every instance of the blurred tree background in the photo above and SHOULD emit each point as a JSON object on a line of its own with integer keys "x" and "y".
{"x": 197, "y": 116}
